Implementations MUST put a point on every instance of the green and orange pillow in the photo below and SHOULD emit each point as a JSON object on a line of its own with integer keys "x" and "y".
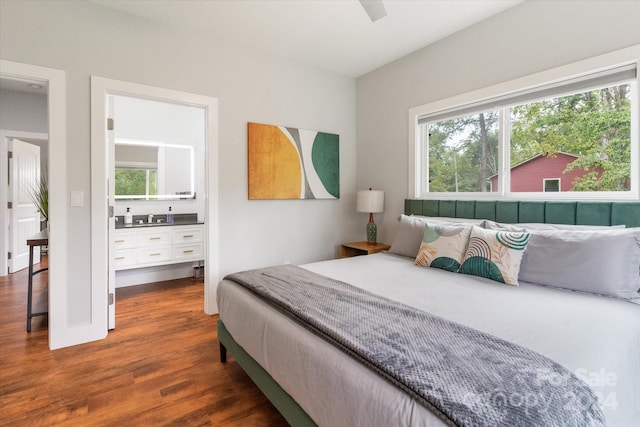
{"x": 469, "y": 249}
{"x": 495, "y": 255}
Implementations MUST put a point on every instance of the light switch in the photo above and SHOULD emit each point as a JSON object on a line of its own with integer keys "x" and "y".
{"x": 77, "y": 199}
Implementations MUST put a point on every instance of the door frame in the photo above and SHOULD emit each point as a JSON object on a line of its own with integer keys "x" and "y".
{"x": 101, "y": 88}
{"x": 5, "y": 135}
{"x": 61, "y": 333}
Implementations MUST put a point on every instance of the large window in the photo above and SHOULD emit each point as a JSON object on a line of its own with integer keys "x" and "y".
{"x": 573, "y": 137}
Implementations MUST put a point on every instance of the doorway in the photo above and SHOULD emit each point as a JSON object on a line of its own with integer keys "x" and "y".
{"x": 61, "y": 332}
{"x": 102, "y": 155}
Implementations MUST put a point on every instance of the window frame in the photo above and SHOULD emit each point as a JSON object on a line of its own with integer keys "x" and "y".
{"x": 417, "y": 148}
{"x": 544, "y": 185}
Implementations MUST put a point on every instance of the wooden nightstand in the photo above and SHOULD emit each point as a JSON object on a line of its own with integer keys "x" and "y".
{"x": 361, "y": 248}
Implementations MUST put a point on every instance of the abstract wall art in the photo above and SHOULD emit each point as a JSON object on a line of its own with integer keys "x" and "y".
{"x": 291, "y": 163}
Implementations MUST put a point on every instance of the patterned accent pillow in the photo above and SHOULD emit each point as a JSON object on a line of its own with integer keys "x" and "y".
{"x": 495, "y": 255}
{"x": 443, "y": 246}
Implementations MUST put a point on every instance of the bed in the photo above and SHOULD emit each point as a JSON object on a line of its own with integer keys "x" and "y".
{"x": 313, "y": 382}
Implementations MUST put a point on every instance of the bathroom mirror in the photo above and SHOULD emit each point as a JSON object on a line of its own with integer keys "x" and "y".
{"x": 153, "y": 170}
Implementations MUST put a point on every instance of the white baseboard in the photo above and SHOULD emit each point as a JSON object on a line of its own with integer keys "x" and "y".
{"x": 140, "y": 276}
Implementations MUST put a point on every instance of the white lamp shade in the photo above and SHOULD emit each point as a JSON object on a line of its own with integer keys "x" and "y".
{"x": 370, "y": 201}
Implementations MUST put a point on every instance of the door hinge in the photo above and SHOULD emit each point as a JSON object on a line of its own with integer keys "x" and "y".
{"x": 9, "y": 205}
{"x": 109, "y": 124}
{"x": 10, "y": 154}
{"x": 9, "y": 255}
{"x": 110, "y": 211}
{"x": 110, "y": 299}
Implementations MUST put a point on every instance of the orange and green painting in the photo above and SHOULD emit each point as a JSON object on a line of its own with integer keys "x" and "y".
{"x": 291, "y": 163}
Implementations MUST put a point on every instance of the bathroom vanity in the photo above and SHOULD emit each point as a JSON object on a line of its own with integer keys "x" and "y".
{"x": 144, "y": 247}
{"x": 147, "y": 246}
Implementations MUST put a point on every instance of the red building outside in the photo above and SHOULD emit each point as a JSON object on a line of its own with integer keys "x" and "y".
{"x": 542, "y": 173}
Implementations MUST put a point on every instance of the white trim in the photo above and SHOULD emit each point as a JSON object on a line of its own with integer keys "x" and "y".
{"x": 619, "y": 57}
{"x": 61, "y": 333}
{"x": 212, "y": 224}
{"x": 100, "y": 89}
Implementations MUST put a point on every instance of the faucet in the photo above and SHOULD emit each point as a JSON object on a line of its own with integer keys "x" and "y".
{"x": 150, "y": 219}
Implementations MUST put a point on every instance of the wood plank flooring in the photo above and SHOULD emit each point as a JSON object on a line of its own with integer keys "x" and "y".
{"x": 159, "y": 367}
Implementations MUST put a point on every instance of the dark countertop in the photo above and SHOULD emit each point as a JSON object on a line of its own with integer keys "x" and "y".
{"x": 178, "y": 219}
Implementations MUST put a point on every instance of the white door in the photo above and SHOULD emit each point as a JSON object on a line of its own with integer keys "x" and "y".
{"x": 24, "y": 219}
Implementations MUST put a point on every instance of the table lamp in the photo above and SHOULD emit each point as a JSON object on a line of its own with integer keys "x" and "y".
{"x": 371, "y": 201}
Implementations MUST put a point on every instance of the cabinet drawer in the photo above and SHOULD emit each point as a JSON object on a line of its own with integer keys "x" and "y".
{"x": 153, "y": 238}
{"x": 124, "y": 240}
{"x": 187, "y": 235}
{"x": 124, "y": 258}
{"x": 151, "y": 255}
{"x": 187, "y": 252}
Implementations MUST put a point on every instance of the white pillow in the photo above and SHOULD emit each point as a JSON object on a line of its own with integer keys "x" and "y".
{"x": 408, "y": 237}
{"x": 535, "y": 226}
{"x": 448, "y": 219}
{"x": 605, "y": 262}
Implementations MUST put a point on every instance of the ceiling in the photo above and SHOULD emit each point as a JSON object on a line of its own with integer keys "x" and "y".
{"x": 336, "y": 35}
{"x": 19, "y": 85}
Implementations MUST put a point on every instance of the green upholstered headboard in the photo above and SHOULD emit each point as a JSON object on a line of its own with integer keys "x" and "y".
{"x": 515, "y": 211}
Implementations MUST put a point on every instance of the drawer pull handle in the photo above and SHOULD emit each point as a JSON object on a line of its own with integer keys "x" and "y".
{"x": 119, "y": 257}
{"x": 120, "y": 241}
{"x": 155, "y": 238}
{"x": 187, "y": 235}
{"x": 155, "y": 254}
{"x": 188, "y": 251}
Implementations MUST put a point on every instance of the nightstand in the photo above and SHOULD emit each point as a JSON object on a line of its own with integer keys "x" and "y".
{"x": 361, "y": 248}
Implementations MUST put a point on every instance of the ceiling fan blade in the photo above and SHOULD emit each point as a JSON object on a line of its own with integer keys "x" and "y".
{"x": 374, "y": 8}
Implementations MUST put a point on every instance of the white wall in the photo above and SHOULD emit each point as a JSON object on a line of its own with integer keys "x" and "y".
{"x": 23, "y": 111}
{"x": 85, "y": 39}
{"x": 530, "y": 37}
{"x": 170, "y": 124}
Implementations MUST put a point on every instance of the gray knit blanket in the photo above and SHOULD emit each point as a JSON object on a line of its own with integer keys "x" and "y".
{"x": 465, "y": 376}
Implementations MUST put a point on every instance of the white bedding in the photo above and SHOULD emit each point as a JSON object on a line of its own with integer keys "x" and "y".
{"x": 597, "y": 338}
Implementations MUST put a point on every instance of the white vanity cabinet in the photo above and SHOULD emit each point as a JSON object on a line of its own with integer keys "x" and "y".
{"x": 188, "y": 243}
{"x": 160, "y": 245}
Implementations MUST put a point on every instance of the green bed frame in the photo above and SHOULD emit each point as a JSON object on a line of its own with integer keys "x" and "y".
{"x": 581, "y": 213}
{"x": 290, "y": 410}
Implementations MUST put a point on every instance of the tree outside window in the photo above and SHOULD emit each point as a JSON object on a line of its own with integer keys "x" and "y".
{"x": 593, "y": 126}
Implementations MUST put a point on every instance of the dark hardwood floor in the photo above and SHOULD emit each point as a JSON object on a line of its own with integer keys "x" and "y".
{"x": 160, "y": 366}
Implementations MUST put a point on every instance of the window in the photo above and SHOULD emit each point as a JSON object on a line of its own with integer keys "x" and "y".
{"x": 551, "y": 185}
{"x": 463, "y": 153}
{"x": 576, "y": 135}
{"x": 135, "y": 182}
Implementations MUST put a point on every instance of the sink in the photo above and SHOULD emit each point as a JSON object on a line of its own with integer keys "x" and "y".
{"x": 179, "y": 219}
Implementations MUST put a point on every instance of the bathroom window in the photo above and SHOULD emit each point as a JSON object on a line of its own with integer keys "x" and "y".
{"x": 137, "y": 182}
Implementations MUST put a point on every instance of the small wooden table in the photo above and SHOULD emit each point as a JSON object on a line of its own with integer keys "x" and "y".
{"x": 40, "y": 239}
{"x": 361, "y": 248}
